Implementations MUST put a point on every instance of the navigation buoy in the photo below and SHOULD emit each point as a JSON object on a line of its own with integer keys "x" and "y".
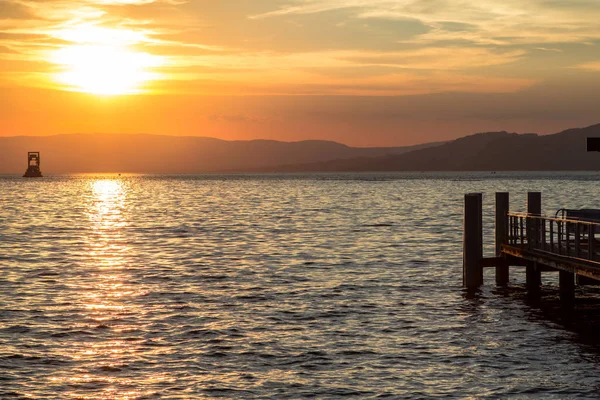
{"x": 33, "y": 165}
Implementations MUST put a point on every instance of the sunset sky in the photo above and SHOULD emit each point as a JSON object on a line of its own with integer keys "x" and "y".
{"x": 361, "y": 72}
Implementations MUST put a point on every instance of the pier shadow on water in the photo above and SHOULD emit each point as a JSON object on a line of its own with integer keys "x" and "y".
{"x": 581, "y": 318}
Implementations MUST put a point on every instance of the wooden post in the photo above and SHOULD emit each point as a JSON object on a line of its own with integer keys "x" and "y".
{"x": 534, "y": 207}
{"x": 566, "y": 281}
{"x": 502, "y": 204}
{"x": 472, "y": 241}
{"x": 480, "y": 228}
{"x": 480, "y": 234}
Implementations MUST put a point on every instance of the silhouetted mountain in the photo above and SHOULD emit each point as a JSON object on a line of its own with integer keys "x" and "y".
{"x": 491, "y": 151}
{"x": 170, "y": 154}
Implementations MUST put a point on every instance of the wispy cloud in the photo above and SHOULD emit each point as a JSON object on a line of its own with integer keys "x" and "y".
{"x": 590, "y": 66}
{"x": 494, "y": 22}
{"x": 377, "y": 47}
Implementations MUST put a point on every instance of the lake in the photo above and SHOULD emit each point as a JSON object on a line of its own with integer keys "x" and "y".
{"x": 277, "y": 286}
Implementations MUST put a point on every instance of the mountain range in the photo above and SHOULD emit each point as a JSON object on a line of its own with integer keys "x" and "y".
{"x": 490, "y": 151}
{"x": 140, "y": 153}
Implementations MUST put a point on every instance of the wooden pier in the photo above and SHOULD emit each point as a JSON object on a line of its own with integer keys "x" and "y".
{"x": 537, "y": 242}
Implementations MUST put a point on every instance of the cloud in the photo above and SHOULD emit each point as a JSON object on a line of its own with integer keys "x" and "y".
{"x": 374, "y": 47}
{"x": 13, "y": 10}
{"x": 490, "y": 21}
{"x": 425, "y": 59}
{"x": 590, "y": 66}
{"x": 311, "y": 7}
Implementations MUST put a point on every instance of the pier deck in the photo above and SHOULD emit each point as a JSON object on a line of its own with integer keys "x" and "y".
{"x": 570, "y": 246}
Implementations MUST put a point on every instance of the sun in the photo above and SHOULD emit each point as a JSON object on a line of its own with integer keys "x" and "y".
{"x": 102, "y": 69}
{"x": 102, "y": 61}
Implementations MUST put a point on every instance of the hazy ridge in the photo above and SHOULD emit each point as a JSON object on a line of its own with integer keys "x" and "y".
{"x": 140, "y": 153}
{"x": 491, "y": 151}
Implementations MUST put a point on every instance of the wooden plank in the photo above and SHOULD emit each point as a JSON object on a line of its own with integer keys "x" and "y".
{"x": 493, "y": 262}
{"x": 590, "y": 269}
{"x": 515, "y": 261}
{"x": 545, "y": 268}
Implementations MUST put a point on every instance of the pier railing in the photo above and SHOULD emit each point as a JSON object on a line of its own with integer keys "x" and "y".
{"x": 570, "y": 246}
{"x": 561, "y": 236}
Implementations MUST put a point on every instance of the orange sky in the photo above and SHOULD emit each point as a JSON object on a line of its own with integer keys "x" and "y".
{"x": 365, "y": 73}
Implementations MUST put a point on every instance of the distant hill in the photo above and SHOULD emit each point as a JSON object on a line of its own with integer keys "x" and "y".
{"x": 80, "y": 153}
{"x": 491, "y": 151}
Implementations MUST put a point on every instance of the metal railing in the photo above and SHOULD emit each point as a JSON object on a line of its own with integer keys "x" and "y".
{"x": 565, "y": 237}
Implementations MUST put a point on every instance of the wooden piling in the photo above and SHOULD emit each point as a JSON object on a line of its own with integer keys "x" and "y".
{"x": 502, "y": 207}
{"x": 566, "y": 281}
{"x": 472, "y": 241}
{"x": 480, "y": 228}
{"x": 534, "y": 208}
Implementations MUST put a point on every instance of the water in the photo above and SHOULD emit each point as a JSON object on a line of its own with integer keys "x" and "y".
{"x": 266, "y": 286}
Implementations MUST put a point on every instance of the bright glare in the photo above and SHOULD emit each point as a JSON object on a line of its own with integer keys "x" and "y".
{"x": 101, "y": 64}
{"x": 107, "y": 189}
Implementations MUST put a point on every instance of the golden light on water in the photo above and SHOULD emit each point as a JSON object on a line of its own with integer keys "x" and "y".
{"x": 107, "y": 190}
{"x": 108, "y": 202}
{"x": 107, "y": 295}
{"x": 107, "y": 251}
{"x": 102, "y": 61}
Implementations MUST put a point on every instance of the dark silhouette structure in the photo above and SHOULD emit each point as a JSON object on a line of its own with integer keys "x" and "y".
{"x": 568, "y": 244}
{"x": 33, "y": 165}
{"x": 593, "y": 144}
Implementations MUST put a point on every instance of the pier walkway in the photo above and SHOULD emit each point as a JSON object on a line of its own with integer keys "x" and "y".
{"x": 559, "y": 243}
{"x": 568, "y": 245}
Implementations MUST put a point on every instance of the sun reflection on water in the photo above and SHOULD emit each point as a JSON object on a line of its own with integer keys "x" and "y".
{"x": 107, "y": 246}
{"x": 107, "y": 189}
{"x": 107, "y": 297}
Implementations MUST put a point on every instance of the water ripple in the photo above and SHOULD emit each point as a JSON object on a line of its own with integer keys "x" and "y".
{"x": 255, "y": 287}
